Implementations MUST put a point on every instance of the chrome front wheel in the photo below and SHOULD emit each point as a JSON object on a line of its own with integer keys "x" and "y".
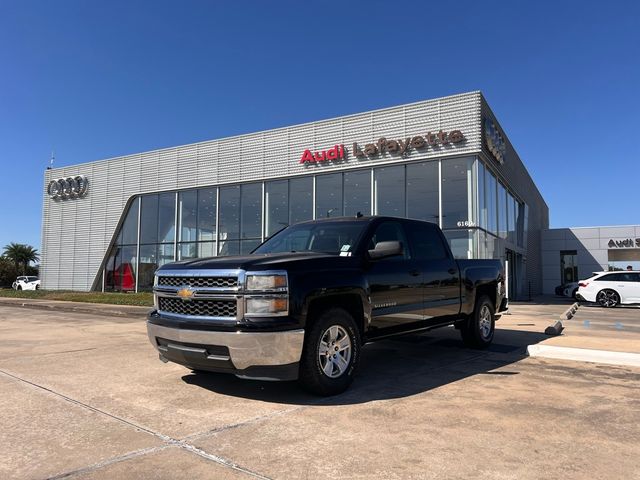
{"x": 485, "y": 322}
{"x": 334, "y": 351}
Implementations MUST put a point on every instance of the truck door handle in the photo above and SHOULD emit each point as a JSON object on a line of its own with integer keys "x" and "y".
{"x": 414, "y": 273}
{"x": 452, "y": 271}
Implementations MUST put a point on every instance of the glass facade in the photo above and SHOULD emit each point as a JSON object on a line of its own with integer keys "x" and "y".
{"x": 480, "y": 217}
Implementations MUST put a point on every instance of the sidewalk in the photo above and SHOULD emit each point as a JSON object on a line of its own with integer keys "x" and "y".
{"x": 104, "y": 309}
{"x": 594, "y": 334}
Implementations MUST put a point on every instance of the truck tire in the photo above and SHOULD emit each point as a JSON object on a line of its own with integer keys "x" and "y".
{"x": 478, "y": 331}
{"x": 330, "y": 354}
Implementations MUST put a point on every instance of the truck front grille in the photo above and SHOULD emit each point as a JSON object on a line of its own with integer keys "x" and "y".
{"x": 221, "y": 282}
{"x": 201, "y": 308}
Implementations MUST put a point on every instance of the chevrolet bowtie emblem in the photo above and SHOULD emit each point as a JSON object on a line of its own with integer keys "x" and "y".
{"x": 186, "y": 293}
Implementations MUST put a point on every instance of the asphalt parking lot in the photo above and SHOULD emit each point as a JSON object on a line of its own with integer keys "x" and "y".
{"x": 85, "y": 397}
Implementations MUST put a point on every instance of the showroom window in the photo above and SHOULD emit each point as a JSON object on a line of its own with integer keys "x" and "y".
{"x": 329, "y": 195}
{"x": 390, "y": 191}
{"x": 357, "y": 193}
{"x": 300, "y": 199}
{"x": 276, "y": 206}
{"x": 250, "y": 217}
{"x": 423, "y": 200}
{"x": 229, "y": 220}
{"x": 197, "y": 220}
{"x": 502, "y": 211}
{"x": 483, "y": 220}
{"x": 457, "y": 193}
{"x": 229, "y": 227}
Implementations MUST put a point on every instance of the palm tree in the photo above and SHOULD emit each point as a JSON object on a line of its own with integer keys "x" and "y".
{"x": 21, "y": 255}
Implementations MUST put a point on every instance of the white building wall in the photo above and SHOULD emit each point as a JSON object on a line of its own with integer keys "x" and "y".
{"x": 591, "y": 245}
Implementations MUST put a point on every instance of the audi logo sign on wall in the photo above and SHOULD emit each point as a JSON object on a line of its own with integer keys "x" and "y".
{"x": 70, "y": 187}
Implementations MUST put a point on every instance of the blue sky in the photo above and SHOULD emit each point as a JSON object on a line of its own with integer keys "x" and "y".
{"x": 94, "y": 80}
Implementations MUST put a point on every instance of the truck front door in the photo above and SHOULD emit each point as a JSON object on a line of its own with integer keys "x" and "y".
{"x": 395, "y": 284}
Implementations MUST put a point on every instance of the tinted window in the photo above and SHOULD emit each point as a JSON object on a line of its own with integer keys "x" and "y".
{"x": 617, "y": 277}
{"x": 389, "y": 232}
{"x": 425, "y": 242}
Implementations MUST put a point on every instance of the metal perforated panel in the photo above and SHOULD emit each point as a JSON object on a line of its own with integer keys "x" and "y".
{"x": 77, "y": 232}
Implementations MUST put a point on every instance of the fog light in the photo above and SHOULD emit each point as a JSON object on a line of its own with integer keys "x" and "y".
{"x": 266, "y": 306}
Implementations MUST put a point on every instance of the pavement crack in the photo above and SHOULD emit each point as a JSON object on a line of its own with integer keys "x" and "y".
{"x": 169, "y": 441}
{"x": 110, "y": 461}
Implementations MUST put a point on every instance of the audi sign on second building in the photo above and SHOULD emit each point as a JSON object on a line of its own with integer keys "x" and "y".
{"x": 70, "y": 187}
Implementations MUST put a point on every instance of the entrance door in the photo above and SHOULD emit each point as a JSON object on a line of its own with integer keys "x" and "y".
{"x": 568, "y": 266}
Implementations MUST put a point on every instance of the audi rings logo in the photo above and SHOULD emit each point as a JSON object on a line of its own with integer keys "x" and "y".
{"x": 70, "y": 187}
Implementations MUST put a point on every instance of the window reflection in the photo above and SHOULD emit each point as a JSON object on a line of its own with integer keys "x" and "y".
{"x": 277, "y": 206}
{"x": 329, "y": 195}
{"x": 390, "y": 191}
{"x": 357, "y": 193}
{"x": 301, "y": 200}
{"x": 229, "y": 227}
{"x": 422, "y": 191}
{"x": 456, "y": 195}
{"x": 251, "y": 212}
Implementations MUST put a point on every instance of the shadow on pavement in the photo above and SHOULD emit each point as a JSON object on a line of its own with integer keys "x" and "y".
{"x": 392, "y": 368}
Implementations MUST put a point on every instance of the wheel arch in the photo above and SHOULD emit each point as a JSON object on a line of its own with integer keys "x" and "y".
{"x": 350, "y": 302}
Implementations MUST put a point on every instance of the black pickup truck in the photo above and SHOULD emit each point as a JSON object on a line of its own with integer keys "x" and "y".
{"x": 303, "y": 304}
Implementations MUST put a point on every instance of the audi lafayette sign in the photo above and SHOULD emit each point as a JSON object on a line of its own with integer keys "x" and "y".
{"x": 394, "y": 147}
{"x": 70, "y": 187}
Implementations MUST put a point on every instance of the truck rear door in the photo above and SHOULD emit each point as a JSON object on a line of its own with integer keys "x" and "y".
{"x": 440, "y": 272}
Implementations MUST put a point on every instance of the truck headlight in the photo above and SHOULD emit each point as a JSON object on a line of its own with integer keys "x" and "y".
{"x": 266, "y": 282}
{"x": 267, "y": 306}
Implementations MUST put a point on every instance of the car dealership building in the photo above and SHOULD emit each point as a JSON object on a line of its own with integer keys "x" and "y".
{"x": 108, "y": 224}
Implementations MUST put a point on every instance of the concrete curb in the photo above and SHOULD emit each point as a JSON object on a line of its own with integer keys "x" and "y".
{"x": 626, "y": 359}
{"x": 570, "y": 312}
{"x": 130, "y": 311}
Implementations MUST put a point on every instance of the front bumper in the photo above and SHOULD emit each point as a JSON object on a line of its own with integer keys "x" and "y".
{"x": 261, "y": 355}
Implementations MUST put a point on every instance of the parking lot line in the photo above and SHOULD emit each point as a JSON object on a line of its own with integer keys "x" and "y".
{"x": 585, "y": 355}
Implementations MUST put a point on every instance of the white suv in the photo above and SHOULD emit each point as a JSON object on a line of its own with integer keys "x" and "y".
{"x": 26, "y": 283}
{"x": 611, "y": 288}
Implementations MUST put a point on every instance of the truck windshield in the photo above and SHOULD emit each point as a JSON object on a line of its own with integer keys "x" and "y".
{"x": 337, "y": 238}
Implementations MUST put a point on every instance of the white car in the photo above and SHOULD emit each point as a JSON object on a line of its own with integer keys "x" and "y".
{"x": 26, "y": 283}
{"x": 611, "y": 288}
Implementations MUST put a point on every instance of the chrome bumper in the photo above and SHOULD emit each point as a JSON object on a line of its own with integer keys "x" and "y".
{"x": 246, "y": 349}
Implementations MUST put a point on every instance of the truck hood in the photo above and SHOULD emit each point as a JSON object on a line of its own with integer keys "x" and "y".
{"x": 265, "y": 261}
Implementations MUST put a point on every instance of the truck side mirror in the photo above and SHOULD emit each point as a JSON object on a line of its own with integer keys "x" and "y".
{"x": 386, "y": 249}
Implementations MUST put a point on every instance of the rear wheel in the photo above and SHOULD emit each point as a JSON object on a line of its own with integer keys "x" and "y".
{"x": 478, "y": 330}
{"x": 330, "y": 354}
{"x": 37, "y": 287}
{"x": 608, "y": 298}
